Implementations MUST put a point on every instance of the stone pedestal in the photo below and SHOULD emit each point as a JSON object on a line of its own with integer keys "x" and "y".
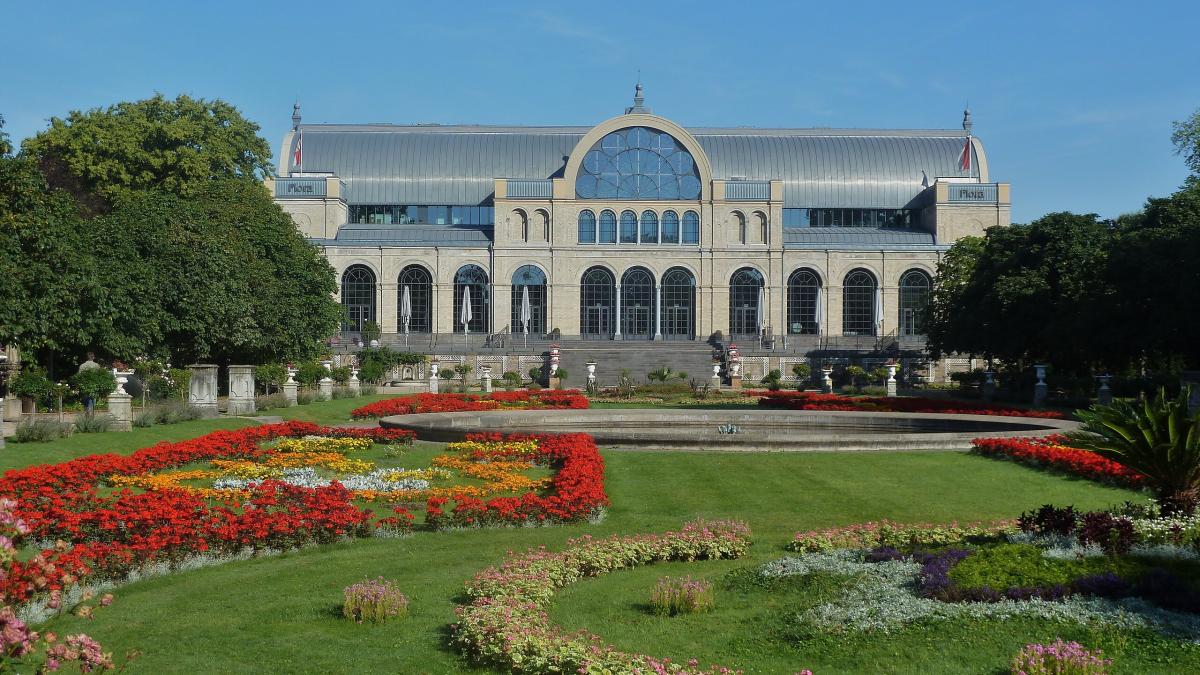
{"x": 735, "y": 381}
{"x": 241, "y": 390}
{"x": 1104, "y": 395}
{"x": 11, "y": 410}
{"x": 202, "y": 389}
{"x": 291, "y": 391}
{"x": 827, "y": 380}
{"x": 485, "y": 376}
{"x": 716, "y": 376}
{"x": 891, "y": 380}
{"x": 434, "y": 378}
{"x": 325, "y": 389}
{"x": 354, "y": 385}
{"x": 988, "y": 390}
{"x": 1041, "y": 388}
{"x": 120, "y": 406}
{"x": 555, "y": 383}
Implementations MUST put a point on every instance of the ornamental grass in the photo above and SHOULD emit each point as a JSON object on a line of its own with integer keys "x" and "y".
{"x": 376, "y": 601}
{"x": 1060, "y": 658}
{"x": 682, "y": 595}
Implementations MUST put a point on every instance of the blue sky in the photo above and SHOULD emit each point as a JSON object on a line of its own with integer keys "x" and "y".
{"x": 1074, "y": 101}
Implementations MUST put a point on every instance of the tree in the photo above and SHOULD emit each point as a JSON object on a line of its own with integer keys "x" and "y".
{"x": 1186, "y": 138}
{"x": 5, "y": 143}
{"x": 1027, "y": 293}
{"x": 172, "y": 145}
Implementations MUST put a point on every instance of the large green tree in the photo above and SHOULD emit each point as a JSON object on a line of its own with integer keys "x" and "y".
{"x": 1027, "y": 293}
{"x": 155, "y": 144}
{"x": 1186, "y": 138}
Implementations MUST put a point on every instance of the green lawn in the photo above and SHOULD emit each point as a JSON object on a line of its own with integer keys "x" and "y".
{"x": 280, "y": 614}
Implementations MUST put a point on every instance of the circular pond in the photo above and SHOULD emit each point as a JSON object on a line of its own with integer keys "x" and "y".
{"x": 779, "y": 430}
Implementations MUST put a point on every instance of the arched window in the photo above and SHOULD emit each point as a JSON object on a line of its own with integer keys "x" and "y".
{"x": 649, "y": 227}
{"x": 670, "y": 228}
{"x": 638, "y": 163}
{"x": 358, "y": 297}
{"x": 529, "y": 282}
{"x": 629, "y": 227}
{"x": 745, "y": 302}
{"x": 804, "y": 308}
{"x": 416, "y": 281}
{"x": 520, "y": 225}
{"x": 471, "y": 282}
{"x": 678, "y": 304}
{"x": 597, "y": 293}
{"x": 914, "y": 296}
{"x": 542, "y": 223}
{"x": 608, "y": 227}
{"x": 858, "y": 303}
{"x": 760, "y": 227}
{"x": 587, "y": 227}
{"x": 691, "y": 228}
{"x": 739, "y": 223}
{"x": 637, "y": 304}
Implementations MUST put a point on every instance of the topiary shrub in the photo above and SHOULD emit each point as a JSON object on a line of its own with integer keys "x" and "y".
{"x": 309, "y": 373}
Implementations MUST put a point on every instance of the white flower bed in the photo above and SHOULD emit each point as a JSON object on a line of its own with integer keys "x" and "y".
{"x": 881, "y": 597}
{"x": 377, "y": 481}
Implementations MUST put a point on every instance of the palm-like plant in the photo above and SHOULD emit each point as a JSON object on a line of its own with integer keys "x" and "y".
{"x": 1157, "y": 438}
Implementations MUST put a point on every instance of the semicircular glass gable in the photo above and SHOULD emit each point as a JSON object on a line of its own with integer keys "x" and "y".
{"x": 638, "y": 163}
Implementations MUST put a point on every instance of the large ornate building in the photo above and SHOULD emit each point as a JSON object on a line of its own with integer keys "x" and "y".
{"x": 638, "y": 228}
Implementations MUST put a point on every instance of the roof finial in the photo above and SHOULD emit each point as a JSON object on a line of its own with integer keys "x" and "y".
{"x": 639, "y": 101}
{"x": 967, "y": 119}
{"x": 296, "y": 115}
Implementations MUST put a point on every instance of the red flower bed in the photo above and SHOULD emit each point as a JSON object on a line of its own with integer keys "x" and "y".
{"x": 436, "y": 403}
{"x": 576, "y": 492}
{"x": 1046, "y": 452}
{"x": 109, "y": 535}
{"x": 801, "y": 400}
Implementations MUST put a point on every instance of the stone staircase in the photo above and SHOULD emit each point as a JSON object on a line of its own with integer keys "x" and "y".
{"x": 638, "y": 357}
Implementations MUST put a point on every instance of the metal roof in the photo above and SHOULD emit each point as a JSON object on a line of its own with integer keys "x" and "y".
{"x": 456, "y": 165}
{"x": 360, "y": 234}
{"x": 857, "y": 238}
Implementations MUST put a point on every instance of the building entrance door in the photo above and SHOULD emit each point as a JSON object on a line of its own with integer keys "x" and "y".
{"x": 677, "y": 322}
{"x": 596, "y": 323}
{"x": 637, "y": 324}
{"x": 744, "y": 320}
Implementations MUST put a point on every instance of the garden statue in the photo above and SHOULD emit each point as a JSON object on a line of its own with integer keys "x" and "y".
{"x": 485, "y": 375}
{"x": 120, "y": 404}
{"x": 716, "y": 376}
{"x": 290, "y": 388}
{"x": 433, "y": 376}
{"x": 1040, "y": 389}
{"x": 554, "y": 357}
{"x": 1104, "y": 395}
{"x": 354, "y": 384}
{"x": 591, "y": 376}
{"x": 891, "y": 378}
{"x": 827, "y": 379}
{"x": 989, "y": 385}
{"x": 734, "y": 359}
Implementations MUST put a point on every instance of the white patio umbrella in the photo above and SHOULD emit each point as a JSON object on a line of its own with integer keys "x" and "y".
{"x": 819, "y": 315}
{"x": 406, "y": 311}
{"x": 526, "y": 312}
{"x": 878, "y": 310}
{"x": 464, "y": 316}
{"x": 759, "y": 312}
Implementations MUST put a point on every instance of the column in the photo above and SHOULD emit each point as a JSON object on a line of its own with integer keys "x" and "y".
{"x": 658, "y": 311}
{"x": 617, "y": 304}
{"x": 202, "y": 388}
{"x": 241, "y": 390}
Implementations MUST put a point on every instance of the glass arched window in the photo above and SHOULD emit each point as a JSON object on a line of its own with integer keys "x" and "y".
{"x": 358, "y": 297}
{"x": 471, "y": 282}
{"x": 670, "y": 228}
{"x": 587, "y": 227}
{"x": 691, "y": 228}
{"x": 914, "y": 295}
{"x": 745, "y": 300}
{"x": 804, "y": 303}
{"x": 419, "y": 285}
{"x": 629, "y": 227}
{"x": 638, "y": 163}
{"x": 637, "y": 304}
{"x": 597, "y": 294}
{"x": 678, "y": 304}
{"x": 529, "y": 281}
{"x": 858, "y": 303}
{"x": 608, "y": 227}
{"x": 649, "y": 227}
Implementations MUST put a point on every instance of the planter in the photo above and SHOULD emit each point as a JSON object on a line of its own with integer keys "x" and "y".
{"x": 28, "y": 405}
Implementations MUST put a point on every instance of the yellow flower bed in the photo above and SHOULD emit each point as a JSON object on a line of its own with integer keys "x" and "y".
{"x": 516, "y": 448}
{"x": 334, "y": 461}
{"x": 170, "y": 480}
{"x": 242, "y": 468}
{"x": 315, "y": 444}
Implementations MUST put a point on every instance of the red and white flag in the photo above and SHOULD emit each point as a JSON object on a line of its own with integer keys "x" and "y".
{"x": 298, "y": 155}
{"x": 964, "y": 160}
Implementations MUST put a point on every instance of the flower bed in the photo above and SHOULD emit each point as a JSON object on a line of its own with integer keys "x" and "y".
{"x": 1046, "y": 452}
{"x": 801, "y": 400}
{"x": 107, "y": 535}
{"x": 505, "y": 625}
{"x": 577, "y": 489}
{"x": 886, "y": 533}
{"x": 498, "y": 400}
